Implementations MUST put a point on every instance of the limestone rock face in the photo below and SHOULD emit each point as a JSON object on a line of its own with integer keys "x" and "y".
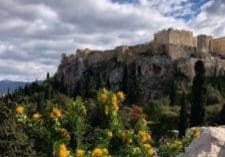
{"x": 210, "y": 144}
{"x": 149, "y": 71}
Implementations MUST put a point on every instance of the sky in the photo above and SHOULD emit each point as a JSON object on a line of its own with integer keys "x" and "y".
{"x": 34, "y": 33}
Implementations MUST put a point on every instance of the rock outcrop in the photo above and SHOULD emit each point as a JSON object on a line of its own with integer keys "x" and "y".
{"x": 211, "y": 143}
{"x": 149, "y": 69}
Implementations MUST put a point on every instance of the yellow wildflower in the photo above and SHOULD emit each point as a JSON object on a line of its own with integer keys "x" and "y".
{"x": 121, "y": 96}
{"x": 56, "y": 113}
{"x": 110, "y": 134}
{"x": 105, "y": 152}
{"x": 80, "y": 153}
{"x": 147, "y": 146}
{"x": 196, "y": 132}
{"x": 63, "y": 152}
{"x": 150, "y": 152}
{"x": 116, "y": 107}
{"x": 36, "y": 116}
{"x": 103, "y": 98}
{"x": 114, "y": 99}
{"x": 19, "y": 109}
{"x": 144, "y": 136}
{"x": 100, "y": 152}
{"x": 149, "y": 149}
{"x": 115, "y": 102}
{"x": 97, "y": 152}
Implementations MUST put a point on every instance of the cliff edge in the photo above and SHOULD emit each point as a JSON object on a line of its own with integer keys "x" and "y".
{"x": 147, "y": 71}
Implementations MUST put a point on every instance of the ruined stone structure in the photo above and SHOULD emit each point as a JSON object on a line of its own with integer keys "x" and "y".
{"x": 176, "y": 37}
{"x": 155, "y": 66}
{"x": 204, "y": 44}
{"x": 217, "y": 46}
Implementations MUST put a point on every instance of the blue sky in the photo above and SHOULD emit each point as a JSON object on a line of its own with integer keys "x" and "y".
{"x": 34, "y": 33}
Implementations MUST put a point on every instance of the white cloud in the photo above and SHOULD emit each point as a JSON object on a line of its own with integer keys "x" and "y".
{"x": 34, "y": 33}
{"x": 211, "y": 19}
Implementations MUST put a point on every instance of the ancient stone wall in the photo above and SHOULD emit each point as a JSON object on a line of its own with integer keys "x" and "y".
{"x": 181, "y": 38}
{"x": 162, "y": 37}
{"x": 203, "y": 42}
{"x": 217, "y": 46}
{"x": 178, "y": 51}
{"x": 176, "y": 37}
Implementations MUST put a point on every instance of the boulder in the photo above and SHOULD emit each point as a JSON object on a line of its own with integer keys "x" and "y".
{"x": 211, "y": 143}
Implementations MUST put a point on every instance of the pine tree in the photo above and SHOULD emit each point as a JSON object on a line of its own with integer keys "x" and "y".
{"x": 184, "y": 116}
{"x": 198, "y": 95}
{"x": 13, "y": 142}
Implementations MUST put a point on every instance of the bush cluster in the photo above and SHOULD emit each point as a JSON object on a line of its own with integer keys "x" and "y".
{"x": 67, "y": 130}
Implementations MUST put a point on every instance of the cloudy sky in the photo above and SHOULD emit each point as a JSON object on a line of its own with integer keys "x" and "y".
{"x": 34, "y": 33}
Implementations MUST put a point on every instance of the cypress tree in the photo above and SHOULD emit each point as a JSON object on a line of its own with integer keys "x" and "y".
{"x": 133, "y": 85}
{"x": 184, "y": 115}
{"x": 198, "y": 95}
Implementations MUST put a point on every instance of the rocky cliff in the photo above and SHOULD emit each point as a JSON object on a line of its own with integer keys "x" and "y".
{"x": 144, "y": 72}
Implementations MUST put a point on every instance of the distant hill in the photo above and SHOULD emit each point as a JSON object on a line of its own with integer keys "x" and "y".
{"x": 6, "y": 85}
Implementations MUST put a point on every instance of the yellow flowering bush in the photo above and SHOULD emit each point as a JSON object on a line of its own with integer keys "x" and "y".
{"x": 19, "y": 109}
{"x": 144, "y": 136}
{"x": 100, "y": 152}
{"x": 68, "y": 130}
{"x": 173, "y": 147}
{"x": 148, "y": 150}
{"x": 36, "y": 116}
{"x": 62, "y": 151}
{"x": 109, "y": 134}
{"x": 121, "y": 96}
{"x": 56, "y": 113}
{"x": 20, "y": 114}
{"x": 79, "y": 153}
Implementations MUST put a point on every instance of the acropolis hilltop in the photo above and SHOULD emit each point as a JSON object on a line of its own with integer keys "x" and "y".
{"x": 169, "y": 57}
{"x": 172, "y": 42}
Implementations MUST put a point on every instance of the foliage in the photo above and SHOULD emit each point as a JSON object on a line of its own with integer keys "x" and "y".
{"x": 13, "y": 141}
{"x": 65, "y": 130}
{"x": 174, "y": 147}
{"x": 198, "y": 96}
{"x": 213, "y": 96}
{"x": 163, "y": 116}
{"x": 184, "y": 116}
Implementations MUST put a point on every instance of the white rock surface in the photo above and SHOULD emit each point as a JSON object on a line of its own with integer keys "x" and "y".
{"x": 211, "y": 143}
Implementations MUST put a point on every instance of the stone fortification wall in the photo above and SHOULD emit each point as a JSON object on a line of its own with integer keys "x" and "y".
{"x": 162, "y": 37}
{"x": 177, "y": 37}
{"x": 203, "y": 43}
{"x": 217, "y": 46}
{"x": 181, "y": 38}
{"x": 179, "y": 51}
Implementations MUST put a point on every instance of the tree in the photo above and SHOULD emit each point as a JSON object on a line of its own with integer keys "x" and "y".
{"x": 184, "y": 115}
{"x": 133, "y": 85}
{"x": 13, "y": 141}
{"x": 198, "y": 95}
{"x": 47, "y": 76}
{"x": 221, "y": 117}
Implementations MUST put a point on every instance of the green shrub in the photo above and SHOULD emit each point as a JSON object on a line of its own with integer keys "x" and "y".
{"x": 64, "y": 130}
{"x": 213, "y": 96}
